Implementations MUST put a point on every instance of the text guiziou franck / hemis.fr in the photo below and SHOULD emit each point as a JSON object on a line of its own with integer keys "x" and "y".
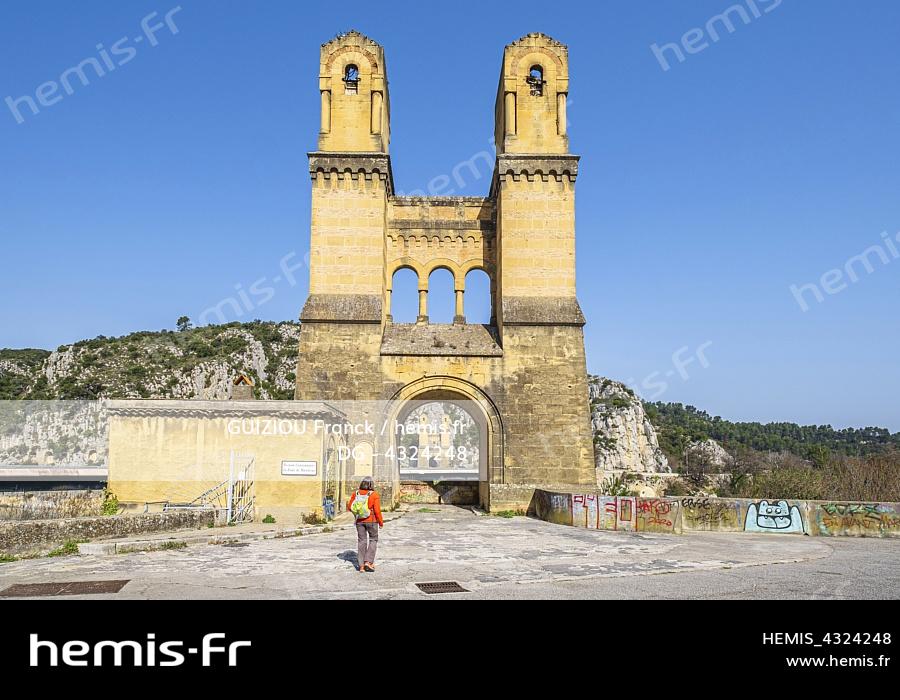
{"x": 281, "y": 427}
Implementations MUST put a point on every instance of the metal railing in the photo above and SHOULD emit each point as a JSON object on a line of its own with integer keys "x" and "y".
{"x": 235, "y": 497}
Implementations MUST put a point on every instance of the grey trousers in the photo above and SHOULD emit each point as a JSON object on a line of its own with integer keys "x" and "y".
{"x": 367, "y": 541}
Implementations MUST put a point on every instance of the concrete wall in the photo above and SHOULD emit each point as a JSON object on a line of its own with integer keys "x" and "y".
{"x": 174, "y": 451}
{"x": 39, "y": 536}
{"x": 44, "y": 505}
{"x": 856, "y": 519}
{"x": 702, "y": 514}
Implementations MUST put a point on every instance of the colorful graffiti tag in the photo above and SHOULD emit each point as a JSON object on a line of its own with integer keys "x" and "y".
{"x": 780, "y": 517}
{"x": 656, "y": 515}
{"x": 585, "y": 512}
{"x": 616, "y": 513}
{"x": 627, "y": 513}
{"x": 624, "y": 513}
{"x": 609, "y": 512}
{"x": 857, "y": 520}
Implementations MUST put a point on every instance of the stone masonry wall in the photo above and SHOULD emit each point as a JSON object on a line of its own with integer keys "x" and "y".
{"x": 38, "y": 536}
{"x": 539, "y": 387}
{"x": 44, "y": 505}
{"x": 542, "y": 397}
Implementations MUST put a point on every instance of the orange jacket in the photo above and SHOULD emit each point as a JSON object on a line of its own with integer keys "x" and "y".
{"x": 374, "y": 507}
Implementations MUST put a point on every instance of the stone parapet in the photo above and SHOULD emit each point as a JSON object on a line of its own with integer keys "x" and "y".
{"x": 542, "y": 167}
{"x": 35, "y": 536}
{"x": 355, "y": 166}
{"x": 542, "y": 311}
{"x": 342, "y": 308}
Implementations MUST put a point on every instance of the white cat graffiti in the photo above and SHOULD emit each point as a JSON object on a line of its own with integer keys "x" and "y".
{"x": 774, "y": 517}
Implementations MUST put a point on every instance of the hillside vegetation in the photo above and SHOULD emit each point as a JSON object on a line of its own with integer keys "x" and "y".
{"x": 18, "y": 371}
{"x": 678, "y": 426}
{"x": 193, "y": 363}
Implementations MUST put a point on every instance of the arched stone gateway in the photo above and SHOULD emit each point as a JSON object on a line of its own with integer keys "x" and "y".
{"x": 449, "y": 395}
{"x": 521, "y": 376}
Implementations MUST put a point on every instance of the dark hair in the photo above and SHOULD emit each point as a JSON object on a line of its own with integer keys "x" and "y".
{"x": 367, "y": 484}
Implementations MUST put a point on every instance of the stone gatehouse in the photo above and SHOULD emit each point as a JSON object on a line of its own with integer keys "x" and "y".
{"x": 523, "y": 376}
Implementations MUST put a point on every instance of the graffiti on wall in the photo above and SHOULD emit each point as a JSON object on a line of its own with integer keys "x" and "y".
{"x": 624, "y": 513}
{"x": 554, "y": 507}
{"x": 609, "y": 512}
{"x": 585, "y": 512}
{"x": 656, "y": 515}
{"x": 616, "y": 513}
{"x": 858, "y": 519}
{"x": 604, "y": 512}
{"x": 629, "y": 514}
{"x": 774, "y": 517}
{"x": 711, "y": 514}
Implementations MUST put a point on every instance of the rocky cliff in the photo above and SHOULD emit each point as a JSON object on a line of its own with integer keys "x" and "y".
{"x": 623, "y": 435}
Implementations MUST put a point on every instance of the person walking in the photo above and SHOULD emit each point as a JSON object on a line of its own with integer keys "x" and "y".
{"x": 365, "y": 504}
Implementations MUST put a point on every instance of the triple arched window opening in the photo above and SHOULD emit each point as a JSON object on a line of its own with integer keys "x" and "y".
{"x": 440, "y": 301}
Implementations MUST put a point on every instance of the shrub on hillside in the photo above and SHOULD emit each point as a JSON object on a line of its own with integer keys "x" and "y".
{"x": 872, "y": 478}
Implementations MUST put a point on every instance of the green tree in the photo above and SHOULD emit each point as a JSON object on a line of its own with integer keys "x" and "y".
{"x": 184, "y": 324}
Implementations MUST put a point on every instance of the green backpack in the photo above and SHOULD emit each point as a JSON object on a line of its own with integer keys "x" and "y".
{"x": 360, "y": 506}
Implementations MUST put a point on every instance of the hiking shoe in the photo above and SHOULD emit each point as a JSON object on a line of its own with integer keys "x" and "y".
{"x": 370, "y": 568}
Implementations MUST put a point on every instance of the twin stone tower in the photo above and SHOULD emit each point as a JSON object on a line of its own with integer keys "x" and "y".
{"x": 523, "y": 377}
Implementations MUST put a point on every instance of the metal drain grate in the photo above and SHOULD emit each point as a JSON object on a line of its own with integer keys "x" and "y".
{"x": 42, "y": 590}
{"x": 440, "y": 588}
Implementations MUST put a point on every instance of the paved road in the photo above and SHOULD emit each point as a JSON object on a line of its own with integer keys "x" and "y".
{"x": 498, "y": 559}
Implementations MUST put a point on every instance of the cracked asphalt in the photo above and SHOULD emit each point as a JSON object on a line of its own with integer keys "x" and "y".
{"x": 496, "y": 558}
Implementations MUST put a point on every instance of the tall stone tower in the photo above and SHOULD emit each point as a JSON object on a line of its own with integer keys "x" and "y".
{"x": 524, "y": 375}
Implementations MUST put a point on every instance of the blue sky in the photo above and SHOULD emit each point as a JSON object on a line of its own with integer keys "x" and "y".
{"x": 765, "y": 159}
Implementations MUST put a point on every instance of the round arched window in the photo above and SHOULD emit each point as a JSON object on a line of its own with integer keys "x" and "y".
{"x": 536, "y": 80}
{"x": 351, "y": 79}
